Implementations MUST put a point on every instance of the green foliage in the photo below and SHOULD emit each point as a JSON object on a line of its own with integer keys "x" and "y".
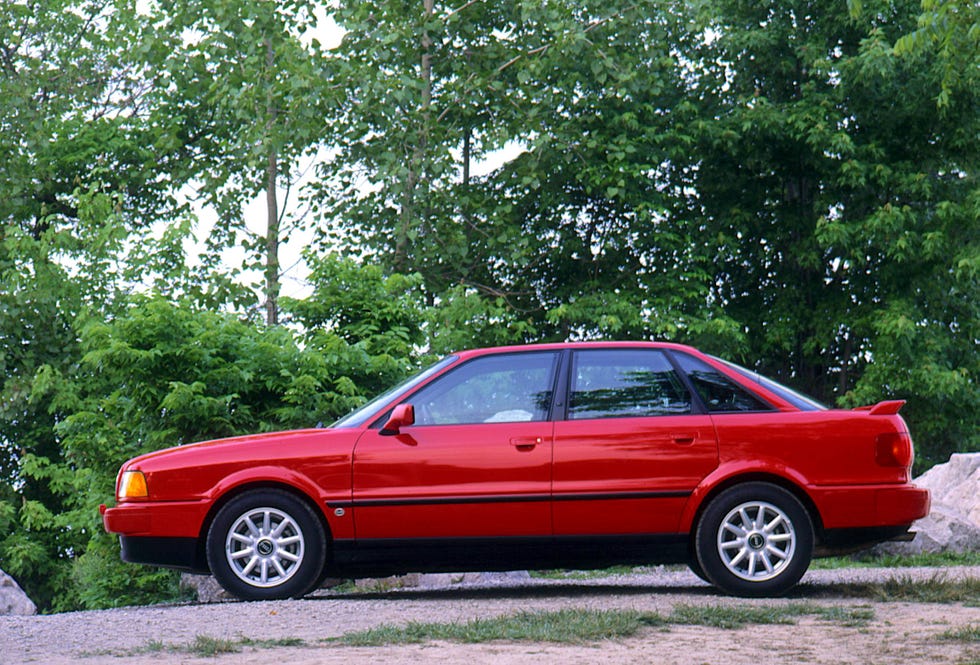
{"x": 158, "y": 375}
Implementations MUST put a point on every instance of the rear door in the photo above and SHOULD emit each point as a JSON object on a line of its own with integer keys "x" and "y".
{"x": 631, "y": 448}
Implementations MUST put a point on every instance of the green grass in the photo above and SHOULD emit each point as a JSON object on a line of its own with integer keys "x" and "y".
{"x": 582, "y": 625}
{"x": 932, "y": 560}
{"x": 566, "y": 626}
{"x": 937, "y": 589}
{"x": 963, "y": 634}
{"x": 206, "y": 646}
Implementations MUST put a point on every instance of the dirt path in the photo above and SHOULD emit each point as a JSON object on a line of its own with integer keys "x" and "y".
{"x": 899, "y": 633}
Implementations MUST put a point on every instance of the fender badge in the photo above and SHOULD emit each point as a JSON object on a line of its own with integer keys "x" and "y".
{"x": 339, "y": 512}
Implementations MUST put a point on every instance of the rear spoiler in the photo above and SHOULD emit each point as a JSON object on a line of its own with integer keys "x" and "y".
{"x": 887, "y": 408}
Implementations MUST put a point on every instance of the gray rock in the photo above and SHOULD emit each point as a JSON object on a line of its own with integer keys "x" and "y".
{"x": 13, "y": 600}
{"x": 953, "y": 524}
{"x": 206, "y": 587}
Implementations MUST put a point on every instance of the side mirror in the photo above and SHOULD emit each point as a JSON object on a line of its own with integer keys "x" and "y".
{"x": 402, "y": 415}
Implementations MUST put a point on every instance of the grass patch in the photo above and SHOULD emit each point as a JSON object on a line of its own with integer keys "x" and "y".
{"x": 930, "y": 560}
{"x": 564, "y": 626}
{"x": 963, "y": 634}
{"x": 206, "y": 646}
{"x": 732, "y": 617}
{"x": 937, "y": 589}
{"x": 582, "y": 625}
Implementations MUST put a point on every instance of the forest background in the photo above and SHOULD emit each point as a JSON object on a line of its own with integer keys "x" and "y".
{"x": 791, "y": 184}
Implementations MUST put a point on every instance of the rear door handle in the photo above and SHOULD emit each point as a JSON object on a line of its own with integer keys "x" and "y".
{"x": 525, "y": 443}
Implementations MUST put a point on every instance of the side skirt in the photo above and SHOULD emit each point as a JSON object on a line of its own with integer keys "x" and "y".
{"x": 381, "y": 556}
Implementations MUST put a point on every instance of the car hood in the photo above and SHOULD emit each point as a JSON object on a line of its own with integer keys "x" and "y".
{"x": 251, "y": 446}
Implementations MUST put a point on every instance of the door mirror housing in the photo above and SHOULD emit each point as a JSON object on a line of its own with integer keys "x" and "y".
{"x": 402, "y": 415}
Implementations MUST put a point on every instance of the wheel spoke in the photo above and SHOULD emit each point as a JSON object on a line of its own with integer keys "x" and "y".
{"x": 241, "y": 554}
{"x": 241, "y": 538}
{"x": 279, "y": 568}
{"x": 771, "y": 526}
{"x": 252, "y": 529}
{"x": 775, "y": 551}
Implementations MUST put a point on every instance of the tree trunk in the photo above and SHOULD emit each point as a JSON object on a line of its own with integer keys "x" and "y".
{"x": 407, "y": 213}
{"x": 271, "y": 205}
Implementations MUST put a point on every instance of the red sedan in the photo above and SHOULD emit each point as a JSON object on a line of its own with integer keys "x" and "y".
{"x": 558, "y": 455}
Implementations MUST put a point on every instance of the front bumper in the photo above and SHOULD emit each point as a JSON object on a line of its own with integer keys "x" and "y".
{"x": 167, "y": 519}
{"x": 164, "y": 533}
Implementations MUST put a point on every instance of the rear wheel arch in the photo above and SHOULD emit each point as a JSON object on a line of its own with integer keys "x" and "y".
{"x": 754, "y": 539}
{"x": 770, "y": 478}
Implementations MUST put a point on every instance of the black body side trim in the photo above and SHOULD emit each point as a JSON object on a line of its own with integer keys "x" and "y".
{"x": 383, "y": 556}
{"x": 512, "y": 498}
{"x": 180, "y": 553}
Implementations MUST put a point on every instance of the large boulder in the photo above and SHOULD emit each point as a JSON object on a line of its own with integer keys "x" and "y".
{"x": 13, "y": 600}
{"x": 953, "y": 524}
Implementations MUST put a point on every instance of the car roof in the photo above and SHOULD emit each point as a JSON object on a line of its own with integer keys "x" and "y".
{"x": 560, "y": 346}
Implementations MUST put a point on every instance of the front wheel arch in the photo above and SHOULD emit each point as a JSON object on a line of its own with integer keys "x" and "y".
{"x": 297, "y": 509}
{"x": 231, "y": 494}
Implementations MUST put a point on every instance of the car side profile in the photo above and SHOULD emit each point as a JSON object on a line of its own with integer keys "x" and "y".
{"x": 574, "y": 455}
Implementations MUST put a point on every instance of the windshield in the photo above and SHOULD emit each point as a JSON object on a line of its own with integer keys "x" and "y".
{"x": 799, "y": 400}
{"x": 367, "y": 412}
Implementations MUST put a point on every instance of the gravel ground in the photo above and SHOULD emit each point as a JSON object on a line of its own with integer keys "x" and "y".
{"x": 900, "y": 633}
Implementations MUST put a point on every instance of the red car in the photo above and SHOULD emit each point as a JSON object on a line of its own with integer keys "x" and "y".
{"x": 548, "y": 456}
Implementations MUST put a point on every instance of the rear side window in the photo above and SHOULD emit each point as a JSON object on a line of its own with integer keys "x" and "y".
{"x": 623, "y": 383}
{"x": 719, "y": 393}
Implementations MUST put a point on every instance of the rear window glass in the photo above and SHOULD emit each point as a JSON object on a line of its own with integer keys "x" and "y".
{"x": 719, "y": 393}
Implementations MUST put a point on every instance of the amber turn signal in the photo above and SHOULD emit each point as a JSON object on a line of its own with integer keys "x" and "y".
{"x": 132, "y": 485}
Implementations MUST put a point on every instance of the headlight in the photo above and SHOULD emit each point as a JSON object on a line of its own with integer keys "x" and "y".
{"x": 132, "y": 484}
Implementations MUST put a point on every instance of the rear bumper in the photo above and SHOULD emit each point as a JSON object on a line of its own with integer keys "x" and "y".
{"x": 871, "y": 506}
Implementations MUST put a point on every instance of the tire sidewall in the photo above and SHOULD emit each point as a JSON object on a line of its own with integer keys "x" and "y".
{"x": 706, "y": 539}
{"x": 311, "y": 566}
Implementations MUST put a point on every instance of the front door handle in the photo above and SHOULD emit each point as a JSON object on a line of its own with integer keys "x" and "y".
{"x": 684, "y": 439}
{"x": 525, "y": 443}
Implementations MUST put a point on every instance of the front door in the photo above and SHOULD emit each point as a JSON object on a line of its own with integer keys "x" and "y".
{"x": 476, "y": 463}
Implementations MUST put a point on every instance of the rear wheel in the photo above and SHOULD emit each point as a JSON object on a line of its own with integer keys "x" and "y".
{"x": 266, "y": 544}
{"x": 754, "y": 539}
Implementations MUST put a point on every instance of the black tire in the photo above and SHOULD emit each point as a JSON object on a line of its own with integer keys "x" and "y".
{"x": 696, "y": 568}
{"x": 768, "y": 557}
{"x": 266, "y": 545}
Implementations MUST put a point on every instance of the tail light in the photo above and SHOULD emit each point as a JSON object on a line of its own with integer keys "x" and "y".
{"x": 893, "y": 449}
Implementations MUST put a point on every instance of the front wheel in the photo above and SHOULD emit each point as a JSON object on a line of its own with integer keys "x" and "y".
{"x": 266, "y": 545}
{"x": 754, "y": 539}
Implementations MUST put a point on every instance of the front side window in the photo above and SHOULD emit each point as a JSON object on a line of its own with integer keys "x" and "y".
{"x": 513, "y": 387}
{"x": 623, "y": 383}
{"x": 719, "y": 393}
